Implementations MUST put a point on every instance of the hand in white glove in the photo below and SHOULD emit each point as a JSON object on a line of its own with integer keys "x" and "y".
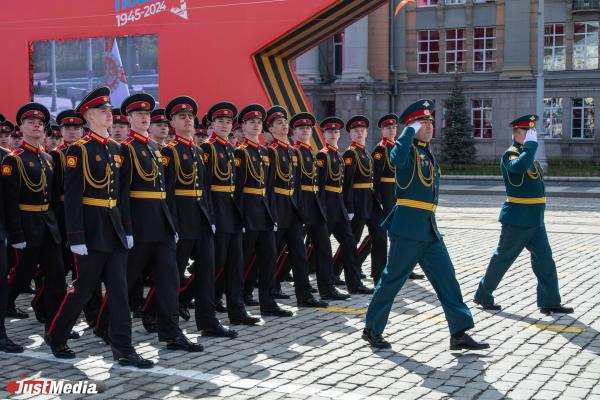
{"x": 80, "y": 249}
{"x": 351, "y": 216}
{"x": 129, "y": 241}
{"x": 275, "y": 227}
{"x": 243, "y": 230}
{"x": 416, "y": 126}
{"x": 531, "y": 135}
{"x": 176, "y": 238}
{"x": 19, "y": 246}
{"x": 214, "y": 229}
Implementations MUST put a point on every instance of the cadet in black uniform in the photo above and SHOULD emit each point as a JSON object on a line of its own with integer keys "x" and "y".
{"x": 185, "y": 176}
{"x": 31, "y": 223}
{"x": 220, "y": 179}
{"x": 119, "y": 131}
{"x": 252, "y": 162}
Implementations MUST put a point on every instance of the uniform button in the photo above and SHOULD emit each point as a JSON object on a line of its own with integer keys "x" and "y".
{"x": 112, "y": 164}
{"x": 112, "y": 181}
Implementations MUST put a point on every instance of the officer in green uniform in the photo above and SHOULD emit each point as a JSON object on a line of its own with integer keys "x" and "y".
{"x": 522, "y": 218}
{"x": 414, "y": 236}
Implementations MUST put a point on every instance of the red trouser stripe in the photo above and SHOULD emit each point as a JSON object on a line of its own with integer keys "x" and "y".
{"x": 147, "y": 302}
{"x": 280, "y": 266}
{"x": 13, "y": 270}
{"x": 188, "y": 282}
{"x": 104, "y": 301}
{"x": 249, "y": 267}
{"x": 62, "y": 304}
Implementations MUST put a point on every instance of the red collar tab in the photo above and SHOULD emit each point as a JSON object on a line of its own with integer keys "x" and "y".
{"x": 98, "y": 138}
{"x": 138, "y": 105}
{"x": 158, "y": 119}
{"x": 360, "y": 146}
{"x": 94, "y": 102}
{"x": 251, "y": 114}
{"x": 303, "y": 145}
{"x": 138, "y": 137}
{"x": 332, "y": 148}
{"x": 31, "y": 147}
{"x": 332, "y": 125}
{"x": 251, "y": 143}
{"x": 282, "y": 144}
{"x": 182, "y": 140}
{"x": 356, "y": 124}
{"x": 219, "y": 139}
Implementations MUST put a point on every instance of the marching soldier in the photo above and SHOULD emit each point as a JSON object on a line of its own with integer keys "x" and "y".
{"x": 119, "y": 131}
{"x": 185, "y": 176}
{"x": 384, "y": 178}
{"x": 31, "y": 224}
{"x": 159, "y": 128}
{"x": 220, "y": 179}
{"x": 522, "y": 219}
{"x": 331, "y": 178}
{"x": 314, "y": 212}
{"x": 95, "y": 232}
{"x": 414, "y": 235}
{"x": 283, "y": 189}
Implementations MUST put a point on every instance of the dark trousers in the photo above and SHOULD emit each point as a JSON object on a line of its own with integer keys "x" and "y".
{"x": 343, "y": 234}
{"x": 298, "y": 259}
{"x": 229, "y": 260}
{"x": 321, "y": 245}
{"x": 3, "y": 287}
{"x": 92, "y": 308}
{"x": 200, "y": 285}
{"x": 260, "y": 256}
{"x": 378, "y": 241}
{"x": 49, "y": 256}
{"x": 93, "y": 269}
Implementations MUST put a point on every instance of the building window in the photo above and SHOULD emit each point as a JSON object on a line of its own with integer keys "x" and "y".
{"x": 553, "y": 109}
{"x": 481, "y": 118}
{"x": 582, "y": 121}
{"x": 338, "y": 54}
{"x": 455, "y": 50}
{"x": 450, "y": 2}
{"x": 554, "y": 47}
{"x": 483, "y": 1}
{"x": 585, "y": 45}
{"x": 429, "y": 52}
{"x": 427, "y": 3}
{"x": 484, "y": 49}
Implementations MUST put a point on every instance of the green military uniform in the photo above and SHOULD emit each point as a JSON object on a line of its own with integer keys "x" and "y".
{"x": 412, "y": 229}
{"x": 522, "y": 218}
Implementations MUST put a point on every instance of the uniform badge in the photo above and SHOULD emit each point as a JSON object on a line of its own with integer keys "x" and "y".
{"x": 253, "y": 159}
{"x": 221, "y": 155}
{"x": 71, "y": 161}
{"x": 307, "y": 158}
{"x": 238, "y": 162}
{"x": 165, "y": 161}
{"x": 118, "y": 159}
{"x": 377, "y": 156}
{"x": 205, "y": 157}
{"x": 7, "y": 170}
{"x": 98, "y": 158}
{"x": 348, "y": 160}
{"x": 427, "y": 163}
{"x": 266, "y": 160}
{"x": 185, "y": 157}
{"x": 320, "y": 163}
{"x": 144, "y": 153}
{"x": 31, "y": 164}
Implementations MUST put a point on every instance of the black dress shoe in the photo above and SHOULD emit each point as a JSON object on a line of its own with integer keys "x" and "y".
{"x": 60, "y": 350}
{"x": 184, "y": 312}
{"x": 362, "y": 289}
{"x": 339, "y": 282}
{"x": 14, "y": 312}
{"x": 466, "y": 342}
{"x": 276, "y": 312}
{"x": 489, "y": 307}
{"x": 334, "y": 294}
{"x": 8, "y": 346}
{"x": 149, "y": 323}
{"x": 415, "y": 276}
{"x": 219, "y": 331}
{"x": 244, "y": 319}
{"x": 102, "y": 334}
{"x": 220, "y": 307}
{"x": 181, "y": 342}
{"x": 556, "y": 310}
{"x": 250, "y": 301}
{"x": 278, "y": 294}
{"x": 74, "y": 335}
{"x": 374, "y": 340}
{"x": 132, "y": 358}
{"x": 312, "y": 302}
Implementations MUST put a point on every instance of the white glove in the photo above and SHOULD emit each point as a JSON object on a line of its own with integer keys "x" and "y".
{"x": 531, "y": 135}
{"x": 176, "y": 238}
{"x": 80, "y": 249}
{"x": 214, "y": 229}
{"x": 275, "y": 227}
{"x": 243, "y": 230}
{"x": 129, "y": 241}
{"x": 416, "y": 126}
{"x": 19, "y": 246}
{"x": 350, "y": 215}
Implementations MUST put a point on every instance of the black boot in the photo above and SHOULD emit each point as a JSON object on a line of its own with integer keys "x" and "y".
{"x": 556, "y": 310}
{"x": 8, "y": 346}
{"x": 131, "y": 358}
{"x": 375, "y": 340}
{"x": 149, "y": 323}
{"x": 181, "y": 342}
{"x": 466, "y": 342}
{"x": 14, "y": 312}
{"x": 490, "y": 307}
{"x": 219, "y": 330}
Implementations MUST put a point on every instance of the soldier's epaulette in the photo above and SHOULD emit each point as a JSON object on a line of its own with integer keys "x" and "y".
{"x": 113, "y": 141}
{"x": 127, "y": 141}
{"x": 273, "y": 145}
{"x": 83, "y": 140}
{"x": 242, "y": 146}
{"x": 172, "y": 144}
{"x": 16, "y": 152}
{"x": 351, "y": 148}
{"x": 211, "y": 140}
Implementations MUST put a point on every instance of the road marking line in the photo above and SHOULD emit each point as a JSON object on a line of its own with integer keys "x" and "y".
{"x": 557, "y": 328}
{"x": 344, "y": 310}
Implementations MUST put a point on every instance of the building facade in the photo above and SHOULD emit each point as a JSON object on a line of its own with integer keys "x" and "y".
{"x": 384, "y": 62}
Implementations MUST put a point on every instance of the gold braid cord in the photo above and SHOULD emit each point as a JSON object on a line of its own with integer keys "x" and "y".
{"x": 285, "y": 177}
{"x": 32, "y": 186}
{"x": 310, "y": 175}
{"x": 87, "y": 174}
{"x": 364, "y": 171}
{"x": 143, "y": 174}
{"x": 184, "y": 178}
{"x": 220, "y": 175}
{"x": 334, "y": 176}
{"x": 387, "y": 160}
{"x": 257, "y": 176}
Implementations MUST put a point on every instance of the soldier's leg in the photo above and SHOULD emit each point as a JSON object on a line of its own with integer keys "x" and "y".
{"x": 204, "y": 283}
{"x": 234, "y": 274}
{"x": 249, "y": 243}
{"x": 3, "y": 288}
{"x": 379, "y": 245}
{"x": 221, "y": 251}
{"x": 511, "y": 244}
{"x": 438, "y": 268}
{"x": 323, "y": 256}
{"x": 183, "y": 255}
{"x": 544, "y": 268}
{"x": 294, "y": 238}
{"x": 166, "y": 281}
{"x": 341, "y": 231}
{"x": 92, "y": 309}
{"x": 358, "y": 226}
{"x": 266, "y": 256}
{"x": 22, "y": 271}
{"x": 89, "y": 272}
{"x": 402, "y": 258}
{"x": 54, "y": 278}
{"x": 115, "y": 279}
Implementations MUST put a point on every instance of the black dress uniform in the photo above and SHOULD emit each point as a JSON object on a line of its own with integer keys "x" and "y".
{"x": 360, "y": 198}
{"x": 28, "y": 186}
{"x": 331, "y": 178}
{"x": 220, "y": 179}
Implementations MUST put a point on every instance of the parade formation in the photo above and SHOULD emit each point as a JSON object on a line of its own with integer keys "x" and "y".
{"x": 198, "y": 208}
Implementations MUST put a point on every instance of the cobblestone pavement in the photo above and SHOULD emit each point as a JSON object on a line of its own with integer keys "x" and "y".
{"x": 319, "y": 353}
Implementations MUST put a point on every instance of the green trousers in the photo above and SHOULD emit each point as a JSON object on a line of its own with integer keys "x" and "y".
{"x": 513, "y": 239}
{"x": 433, "y": 257}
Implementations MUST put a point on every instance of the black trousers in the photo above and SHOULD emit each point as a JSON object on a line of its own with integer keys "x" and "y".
{"x": 52, "y": 291}
{"x": 298, "y": 259}
{"x": 323, "y": 256}
{"x": 378, "y": 241}
{"x": 343, "y": 234}
{"x": 91, "y": 270}
{"x": 92, "y": 308}
{"x": 229, "y": 263}
{"x": 200, "y": 285}
{"x": 3, "y": 287}
{"x": 260, "y": 256}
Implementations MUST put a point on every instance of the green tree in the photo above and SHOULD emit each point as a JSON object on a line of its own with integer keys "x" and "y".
{"x": 458, "y": 146}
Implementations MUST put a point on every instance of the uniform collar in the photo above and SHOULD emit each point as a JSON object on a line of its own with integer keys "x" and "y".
{"x": 332, "y": 148}
{"x": 98, "y": 138}
{"x": 517, "y": 144}
{"x": 385, "y": 142}
{"x": 31, "y": 147}
{"x": 282, "y": 144}
{"x": 218, "y": 139}
{"x": 139, "y": 137}
{"x": 251, "y": 143}
{"x": 358, "y": 146}
{"x": 303, "y": 145}
{"x": 182, "y": 140}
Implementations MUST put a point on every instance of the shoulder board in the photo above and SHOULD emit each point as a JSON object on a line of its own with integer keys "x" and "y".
{"x": 273, "y": 145}
{"x": 83, "y": 140}
{"x": 111, "y": 140}
{"x": 351, "y": 148}
{"x": 16, "y": 152}
{"x": 323, "y": 150}
{"x": 127, "y": 141}
{"x": 171, "y": 144}
{"x": 242, "y": 146}
{"x": 210, "y": 141}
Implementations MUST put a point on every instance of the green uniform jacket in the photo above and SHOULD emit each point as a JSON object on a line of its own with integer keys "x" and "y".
{"x": 524, "y": 182}
{"x": 417, "y": 188}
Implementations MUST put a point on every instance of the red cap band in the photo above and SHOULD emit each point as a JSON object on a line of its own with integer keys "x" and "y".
{"x": 144, "y": 105}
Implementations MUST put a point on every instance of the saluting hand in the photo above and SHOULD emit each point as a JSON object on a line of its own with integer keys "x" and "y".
{"x": 531, "y": 135}
{"x": 416, "y": 126}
